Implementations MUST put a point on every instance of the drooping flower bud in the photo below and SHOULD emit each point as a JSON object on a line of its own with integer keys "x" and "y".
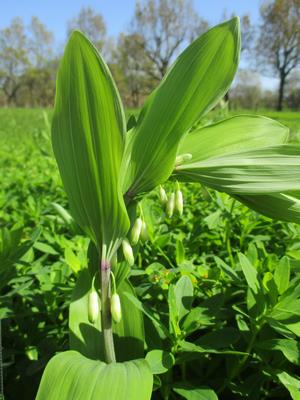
{"x": 115, "y": 308}
{"x": 93, "y": 306}
{"x": 144, "y": 232}
{"x": 127, "y": 251}
{"x": 170, "y": 205}
{"x": 163, "y": 195}
{"x": 183, "y": 158}
{"x": 178, "y": 200}
{"x": 136, "y": 231}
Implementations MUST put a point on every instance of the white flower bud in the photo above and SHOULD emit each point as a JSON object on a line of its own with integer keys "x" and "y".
{"x": 144, "y": 232}
{"x": 170, "y": 205}
{"x": 163, "y": 195}
{"x": 136, "y": 231}
{"x": 115, "y": 307}
{"x": 179, "y": 201}
{"x": 127, "y": 251}
{"x": 93, "y": 306}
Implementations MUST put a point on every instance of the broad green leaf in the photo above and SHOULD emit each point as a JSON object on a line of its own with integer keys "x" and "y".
{"x": 69, "y": 375}
{"x": 87, "y": 135}
{"x": 45, "y": 248}
{"x": 160, "y": 361}
{"x": 250, "y": 273}
{"x": 259, "y": 171}
{"x": 282, "y": 275}
{"x": 292, "y": 384}
{"x": 256, "y": 302}
{"x": 192, "y": 393}
{"x": 198, "y": 317}
{"x": 72, "y": 260}
{"x": 198, "y": 79}
{"x": 282, "y": 206}
{"x": 140, "y": 306}
{"x": 184, "y": 292}
{"x": 213, "y": 219}
{"x": 228, "y": 271}
{"x": 233, "y": 135}
{"x": 289, "y": 348}
{"x": 238, "y": 134}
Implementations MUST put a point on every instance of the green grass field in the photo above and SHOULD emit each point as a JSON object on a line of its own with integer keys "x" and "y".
{"x": 17, "y": 123}
{"x": 224, "y": 332}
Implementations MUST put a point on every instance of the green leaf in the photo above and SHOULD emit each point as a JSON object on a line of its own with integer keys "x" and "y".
{"x": 87, "y": 135}
{"x": 233, "y": 135}
{"x": 291, "y": 384}
{"x": 282, "y": 275}
{"x": 173, "y": 311}
{"x": 184, "y": 292}
{"x": 180, "y": 252}
{"x": 259, "y": 171}
{"x": 198, "y": 79}
{"x": 160, "y": 361}
{"x": 282, "y": 206}
{"x": 140, "y": 306}
{"x": 69, "y": 375}
{"x": 192, "y": 393}
{"x": 288, "y": 347}
{"x": 197, "y": 318}
{"x": 250, "y": 273}
{"x": 236, "y": 135}
{"x": 45, "y": 248}
{"x": 72, "y": 260}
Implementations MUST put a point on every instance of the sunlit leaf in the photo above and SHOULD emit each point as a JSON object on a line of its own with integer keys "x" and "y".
{"x": 197, "y": 81}
{"x": 69, "y": 375}
{"x": 233, "y": 135}
{"x": 87, "y": 134}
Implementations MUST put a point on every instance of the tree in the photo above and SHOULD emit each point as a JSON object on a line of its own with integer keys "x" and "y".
{"x": 40, "y": 43}
{"x": 293, "y": 90}
{"x": 14, "y": 59}
{"x": 246, "y": 92}
{"x": 129, "y": 66}
{"x": 165, "y": 26}
{"x": 27, "y": 67}
{"x": 91, "y": 24}
{"x": 279, "y": 40}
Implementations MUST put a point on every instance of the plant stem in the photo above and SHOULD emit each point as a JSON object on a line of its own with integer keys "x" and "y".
{"x": 105, "y": 313}
{"x": 227, "y": 234}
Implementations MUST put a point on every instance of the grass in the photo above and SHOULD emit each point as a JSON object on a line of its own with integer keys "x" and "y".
{"x": 34, "y": 305}
{"x": 18, "y": 123}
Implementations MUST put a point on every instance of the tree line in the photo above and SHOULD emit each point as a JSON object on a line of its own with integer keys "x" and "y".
{"x": 141, "y": 56}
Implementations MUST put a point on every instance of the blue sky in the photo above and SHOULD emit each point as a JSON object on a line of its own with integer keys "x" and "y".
{"x": 117, "y": 13}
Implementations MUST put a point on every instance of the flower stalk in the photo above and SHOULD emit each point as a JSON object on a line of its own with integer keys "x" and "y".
{"x": 106, "y": 317}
